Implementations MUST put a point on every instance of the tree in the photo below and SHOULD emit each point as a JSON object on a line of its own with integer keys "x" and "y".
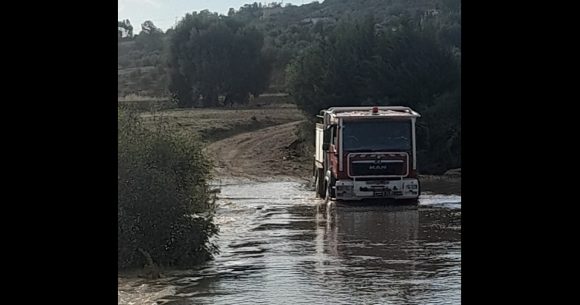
{"x": 337, "y": 71}
{"x": 210, "y": 56}
{"x": 412, "y": 69}
{"x": 148, "y": 27}
{"x": 125, "y": 29}
{"x": 150, "y": 38}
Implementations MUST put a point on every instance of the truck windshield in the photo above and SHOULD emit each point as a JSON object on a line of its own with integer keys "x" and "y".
{"x": 377, "y": 135}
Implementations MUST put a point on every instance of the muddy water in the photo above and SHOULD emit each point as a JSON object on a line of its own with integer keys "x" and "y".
{"x": 281, "y": 246}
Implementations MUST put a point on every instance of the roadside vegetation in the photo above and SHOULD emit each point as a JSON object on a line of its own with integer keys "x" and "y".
{"x": 165, "y": 205}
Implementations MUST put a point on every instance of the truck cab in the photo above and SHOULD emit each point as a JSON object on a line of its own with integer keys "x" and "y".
{"x": 366, "y": 153}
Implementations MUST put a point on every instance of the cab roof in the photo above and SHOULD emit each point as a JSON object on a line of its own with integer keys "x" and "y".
{"x": 370, "y": 111}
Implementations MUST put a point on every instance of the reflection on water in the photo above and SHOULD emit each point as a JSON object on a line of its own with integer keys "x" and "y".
{"x": 278, "y": 247}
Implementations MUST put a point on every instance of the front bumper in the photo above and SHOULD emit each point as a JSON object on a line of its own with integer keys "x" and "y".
{"x": 407, "y": 188}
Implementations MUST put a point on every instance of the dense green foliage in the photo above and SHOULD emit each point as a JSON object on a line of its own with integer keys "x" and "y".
{"x": 141, "y": 61}
{"x": 211, "y": 56}
{"x": 290, "y": 29}
{"x": 165, "y": 207}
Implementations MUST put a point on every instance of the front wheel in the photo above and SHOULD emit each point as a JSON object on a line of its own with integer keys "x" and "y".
{"x": 330, "y": 192}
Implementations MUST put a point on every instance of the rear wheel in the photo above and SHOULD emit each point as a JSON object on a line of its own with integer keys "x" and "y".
{"x": 319, "y": 183}
{"x": 330, "y": 192}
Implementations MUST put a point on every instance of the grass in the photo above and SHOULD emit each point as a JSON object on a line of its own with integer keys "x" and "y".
{"x": 145, "y": 103}
{"x": 212, "y": 124}
{"x": 140, "y": 98}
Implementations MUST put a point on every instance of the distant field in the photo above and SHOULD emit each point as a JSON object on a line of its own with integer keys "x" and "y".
{"x": 142, "y": 69}
{"x": 145, "y": 103}
{"x": 149, "y": 103}
{"x": 213, "y": 124}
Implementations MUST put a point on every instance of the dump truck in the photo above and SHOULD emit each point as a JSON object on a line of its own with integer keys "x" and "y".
{"x": 366, "y": 153}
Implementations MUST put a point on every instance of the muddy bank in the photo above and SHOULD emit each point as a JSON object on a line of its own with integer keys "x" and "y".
{"x": 260, "y": 155}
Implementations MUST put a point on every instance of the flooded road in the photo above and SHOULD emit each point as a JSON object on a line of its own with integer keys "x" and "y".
{"x": 278, "y": 247}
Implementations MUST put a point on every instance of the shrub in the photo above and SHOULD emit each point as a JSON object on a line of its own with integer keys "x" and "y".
{"x": 165, "y": 206}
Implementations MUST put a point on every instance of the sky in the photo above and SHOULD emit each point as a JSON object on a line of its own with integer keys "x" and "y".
{"x": 165, "y": 13}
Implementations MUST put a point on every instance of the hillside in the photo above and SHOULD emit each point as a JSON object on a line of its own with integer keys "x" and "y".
{"x": 288, "y": 30}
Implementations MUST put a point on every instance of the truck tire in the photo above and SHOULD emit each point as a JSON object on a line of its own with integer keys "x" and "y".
{"x": 330, "y": 192}
{"x": 319, "y": 183}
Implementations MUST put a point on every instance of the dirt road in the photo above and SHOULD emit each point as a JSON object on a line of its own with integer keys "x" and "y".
{"x": 259, "y": 155}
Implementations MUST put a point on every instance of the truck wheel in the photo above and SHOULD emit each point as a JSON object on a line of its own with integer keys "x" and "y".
{"x": 330, "y": 192}
{"x": 319, "y": 183}
{"x": 418, "y": 188}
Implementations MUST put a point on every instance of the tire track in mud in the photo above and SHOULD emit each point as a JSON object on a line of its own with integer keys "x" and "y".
{"x": 259, "y": 155}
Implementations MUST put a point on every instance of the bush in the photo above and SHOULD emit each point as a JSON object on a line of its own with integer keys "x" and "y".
{"x": 439, "y": 135}
{"x": 305, "y": 132}
{"x": 165, "y": 206}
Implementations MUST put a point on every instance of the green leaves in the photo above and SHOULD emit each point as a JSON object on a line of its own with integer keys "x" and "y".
{"x": 211, "y": 56}
{"x": 162, "y": 181}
